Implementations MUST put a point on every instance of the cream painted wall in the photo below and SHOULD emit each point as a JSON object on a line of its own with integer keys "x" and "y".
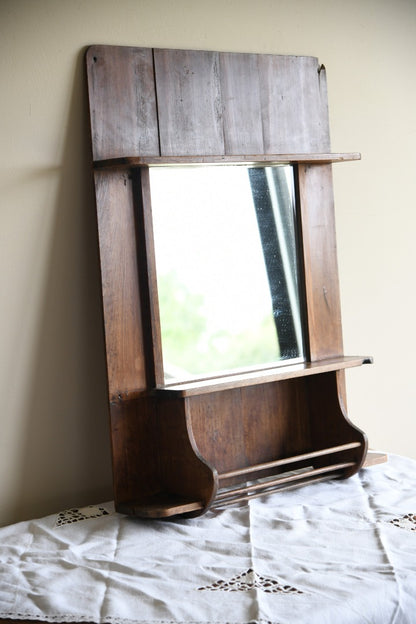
{"x": 53, "y": 421}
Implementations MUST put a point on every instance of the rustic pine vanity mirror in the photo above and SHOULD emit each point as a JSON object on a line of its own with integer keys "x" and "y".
{"x": 219, "y": 275}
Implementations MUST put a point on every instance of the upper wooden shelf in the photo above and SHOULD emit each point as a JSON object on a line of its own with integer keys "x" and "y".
{"x": 289, "y": 371}
{"x": 131, "y": 162}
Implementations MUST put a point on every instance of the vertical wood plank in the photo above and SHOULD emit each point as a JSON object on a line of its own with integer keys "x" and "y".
{"x": 120, "y": 284}
{"x": 147, "y": 262}
{"x": 182, "y": 469}
{"x": 294, "y": 104}
{"x": 323, "y": 307}
{"x": 330, "y": 425}
{"x": 189, "y": 102}
{"x": 134, "y": 449}
{"x": 122, "y": 102}
{"x": 241, "y": 100}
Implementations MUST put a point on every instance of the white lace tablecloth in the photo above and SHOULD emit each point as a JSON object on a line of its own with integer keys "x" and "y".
{"x": 340, "y": 552}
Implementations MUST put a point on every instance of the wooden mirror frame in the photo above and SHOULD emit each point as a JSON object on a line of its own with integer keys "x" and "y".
{"x": 180, "y": 449}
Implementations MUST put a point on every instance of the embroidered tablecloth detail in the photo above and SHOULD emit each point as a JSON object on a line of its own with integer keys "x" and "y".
{"x": 407, "y": 522}
{"x": 69, "y": 516}
{"x": 251, "y": 580}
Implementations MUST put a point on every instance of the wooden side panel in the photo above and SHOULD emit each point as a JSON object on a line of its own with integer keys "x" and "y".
{"x": 120, "y": 284}
{"x": 134, "y": 444}
{"x": 323, "y": 307}
{"x": 122, "y": 102}
{"x": 294, "y": 104}
{"x": 241, "y": 101}
{"x": 189, "y": 102}
{"x": 329, "y": 423}
{"x": 182, "y": 469}
{"x": 147, "y": 263}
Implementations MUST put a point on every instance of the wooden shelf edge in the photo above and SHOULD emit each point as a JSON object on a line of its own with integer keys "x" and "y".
{"x": 160, "y": 506}
{"x": 288, "y": 371}
{"x": 373, "y": 458}
{"x": 129, "y": 162}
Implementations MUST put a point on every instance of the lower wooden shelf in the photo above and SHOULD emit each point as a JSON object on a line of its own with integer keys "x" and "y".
{"x": 164, "y": 505}
{"x": 198, "y": 449}
{"x": 161, "y": 505}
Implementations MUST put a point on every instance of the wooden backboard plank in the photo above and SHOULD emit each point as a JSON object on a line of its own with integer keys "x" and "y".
{"x": 122, "y": 102}
{"x": 189, "y": 102}
{"x": 294, "y": 104}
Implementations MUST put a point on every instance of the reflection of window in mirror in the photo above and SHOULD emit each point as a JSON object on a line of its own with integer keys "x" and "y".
{"x": 227, "y": 268}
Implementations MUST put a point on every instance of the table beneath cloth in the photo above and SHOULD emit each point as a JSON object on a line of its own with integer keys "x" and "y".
{"x": 338, "y": 552}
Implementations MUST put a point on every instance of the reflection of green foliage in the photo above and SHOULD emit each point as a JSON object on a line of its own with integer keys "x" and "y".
{"x": 256, "y": 345}
{"x": 190, "y": 345}
{"x": 182, "y": 321}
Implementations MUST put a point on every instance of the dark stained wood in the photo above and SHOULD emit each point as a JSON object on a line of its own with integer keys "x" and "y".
{"x": 290, "y": 159}
{"x": 323, "y": 307}
{"x": 288, "y": 371}
{"x": 120, "y": 285}
{"x": 134, "y": 450}
{"x": 189, "y": 102}
{"x": 161, "y": 505}
{"x": 152, "y": 107}
{"x": 241, "y": 427}
{"x": 147, "y": 262}
{"x": 330, "y": 424}
{"x": 182, "y": 468}
{"x": 122, "y": 102}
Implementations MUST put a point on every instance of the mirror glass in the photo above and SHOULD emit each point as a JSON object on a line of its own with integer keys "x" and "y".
{"x": 227, "y": 268}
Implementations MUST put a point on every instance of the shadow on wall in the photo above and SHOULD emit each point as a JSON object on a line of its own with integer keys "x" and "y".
{"x": 66, "y": 460}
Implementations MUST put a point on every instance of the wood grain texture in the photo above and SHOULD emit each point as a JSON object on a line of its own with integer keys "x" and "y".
{"x": 323, "y": 307}
{"x": 130, "y": 162}
{"x": 134, "y": 450}
{"x": 234, "y": 103}
{"x": 204, "y": 103}
{"x": 241, "y": 103}
{"x": 182, "y": 468}
{"x": 240, "y": 427}
{"x": 294, "y": 104}
{"x": 122, "y": 101}
{"x": 120, "y": 285}
{"x": 189, "y": 102}
{"x": 330, "y": 424}
{"x": 280, "y": 373}
{"x": 147, "y": 262}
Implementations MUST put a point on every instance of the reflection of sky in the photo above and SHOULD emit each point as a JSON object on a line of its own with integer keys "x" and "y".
{"x": 206, "y": 231}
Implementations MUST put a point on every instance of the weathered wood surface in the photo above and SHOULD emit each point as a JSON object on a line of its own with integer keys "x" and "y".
{"x": 122, "y": 101}
{"x": 130, "y": 162}
{"x": 123, "y": 323}
{"x": 193, "y": 102}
